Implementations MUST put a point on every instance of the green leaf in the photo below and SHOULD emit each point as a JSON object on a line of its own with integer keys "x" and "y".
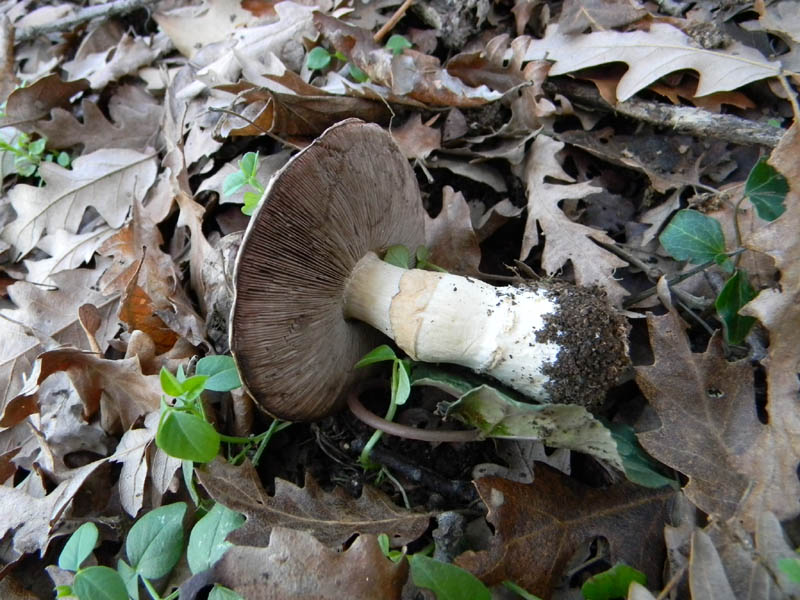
{"x": 736, "y": 292}
{"x": 446, "y": 581}
{"x": 220, "y": 592}
{"x": 613, "y": 583}
{"x": 398, "y": 256}
{"x": 187, "y": 436}
{"x": 62, "y": 591}
{"x": 451, "y": 383}
{"x": 693, "y": 236}
{"x": 187, "y": 468}
{"x": 318, "y": 58}
{"x": 233, "y": 183}
{"x": 24, "y": 166}
{"x": 766, "y": 188}
{"x": 36, "y": 148}
{"x": 249, "y": 165}
{"x": 639, "y": 467}
{"x": 78, "y": 547}
{"x": 557, "y": 425}
{"x": 791, "y": 567}
{"x": 207, "y": 541}
{"x": 192, "y": 387}
{"x": 251, "y": 201}
{"x": 169, "y": 383}
{"x": 99, "y": 583}
{"x": 526, "y": 595}
{"x": 379, "y": 354}
{"x": 397, "y": 43}
{"x": 155, "y": 542}
{"x": 357, "y": 74}
{"x": 221, "y": 372}
{"x": 401, "y": 383}
{"x": 64, "y": 159}
{"x": 129, "y": 577}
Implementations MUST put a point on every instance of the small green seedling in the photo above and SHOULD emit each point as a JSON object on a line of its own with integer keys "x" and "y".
{"x": 791, "y": 568}
{"x": 319, "y": 58}
{"x": 29, "y": 154}
{"x": 153, "y": 547}
{"x": 613, "y": 583}
{"x": 698, "y": 238}
{"x": 184, "y": 431}
{"x": 246, "y": 175}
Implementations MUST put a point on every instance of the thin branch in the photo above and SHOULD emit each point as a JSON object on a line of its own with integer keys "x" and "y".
{"x": 389, "y": 25}
{"x": 685, "y": 119}
{"x": 111, "y": 9}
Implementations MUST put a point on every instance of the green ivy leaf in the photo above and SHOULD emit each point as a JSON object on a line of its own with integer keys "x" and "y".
{"x": 78, "y": 547}
{"x": 251, "y": 200}
{"x": 613, "y": 583}
{"x": 446, "y": 581}
{"x": 791, "y": 567}
{"x": 318, "y": 58}
{"x": 155, "y": 542}
{"x": 766, "y": 188}
{"x": 207, "y": 541}
{"x": 357, "y": 74}
{"x": 99, "y": 583}
{"x": 379, "y": 354}
{"x": 734, "y": 295}
{"x": 187, "y": 436}
{"x": 221, "y": 372}
{"x": 220, "y": 592}
{"x": 398, "y": 256}
{"x": 233, "y": 183}
{"x": 639, "y": 467}
{"x": 693, "y": 236}
{"x": 397, "y": 43}
{"x": 169, "y": 383}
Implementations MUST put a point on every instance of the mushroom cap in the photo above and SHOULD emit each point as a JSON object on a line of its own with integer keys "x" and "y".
{"x": 349, "y": 192}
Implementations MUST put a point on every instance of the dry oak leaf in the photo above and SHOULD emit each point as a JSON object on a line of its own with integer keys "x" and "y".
{"x": 107, "y": 180}
{"x": 710, "y": 431}
{"x": 67, "y": 251}
{"x": 539, "y": 526}
{"x": 774, "y": 457}
{"x": 46, "y": 318}
{"x": 413, "y": 74}
{"x": 566, "y": 240}
{"x": 295, "y": 566}
{"x": 450, "y": 237}
{"x": 600, "y": 15}
{"x": 134, "y": 124}
{"x": 126, "y": 393}
{"x": 651, "y": 55}
{"x": 26, "y": 104}
{"x": 331, "y": 517}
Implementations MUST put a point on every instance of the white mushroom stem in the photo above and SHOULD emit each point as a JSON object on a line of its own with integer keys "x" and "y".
{"x": 436, "y": 317}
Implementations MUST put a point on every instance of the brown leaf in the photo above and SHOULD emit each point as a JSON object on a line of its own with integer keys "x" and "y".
{"x": 332, "y": 517}
{"x": 107, "y": 180}
{"x": 297, "y": 566}
{"x": 128, "y": 393}
{"x": 707, "y": 579}
{"x": 708, "y": 404}
{"x": 416, "y": 140}
{"x": 566, "y": 240}
{"x": 419, "y": 76}
{"x": 450, "y": 237}
{"x": 134, "y": 125}
{"x": 772, "y": 460}
{"x": 539, "y": 526}
{"x": 600, "y": 15}
{"x": 33, "y": 102}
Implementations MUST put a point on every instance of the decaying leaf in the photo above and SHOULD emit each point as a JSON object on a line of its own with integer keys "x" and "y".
{"x": 295, "y": 566}
{"x": 566, "y": 240}
{"x": 106, "y": 180}
{"x": 27, "y": 104}
{"x": 450, "y": 237}
{"x": 539, "y": 526}
{"x": 651, "y": 55}
{"x": 332, "y": 517}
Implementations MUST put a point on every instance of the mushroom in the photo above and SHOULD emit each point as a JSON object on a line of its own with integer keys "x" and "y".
{"x": 313, "y": 296}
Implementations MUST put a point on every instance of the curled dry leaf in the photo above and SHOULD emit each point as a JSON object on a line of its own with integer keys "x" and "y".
{"x": 295, "y": 566}
{"x": 27, "y": 104}
{"x": 332, "y": 517}
{"x": 539, "y": 526}
{"x": 450, "y": 237}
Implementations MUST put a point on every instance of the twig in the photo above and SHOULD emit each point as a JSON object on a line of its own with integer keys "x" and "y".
{"x": 389, "y": 25}
{"x": 790, "y": 96}
{"x": 111, "y": 9}
{"x": 686, "y": 119}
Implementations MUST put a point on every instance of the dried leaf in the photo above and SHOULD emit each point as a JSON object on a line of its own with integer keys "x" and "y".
{"x": 651, "y": 55}
{"x": 297, "y": 566}
{"x": 332, "y": 517}
{"x": 417, "y": 141}
{"x": 566, "y": 240}
{"x": 600, "y": 15}
{"x": 539, "y": 526}
{"x": 107, "y": 180}
{"x": 707, "y": 579}
{"x": 33, "y": 102}
{"x": 450, "y": 237}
